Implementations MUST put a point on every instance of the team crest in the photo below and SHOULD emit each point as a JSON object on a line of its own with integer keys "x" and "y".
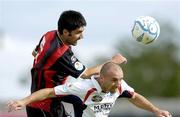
{"x": 78, "y": 66}
{"x": 96, "y": 98}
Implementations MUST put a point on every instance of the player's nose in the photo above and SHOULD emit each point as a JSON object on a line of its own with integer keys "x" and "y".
{"x": 81, "y": 36}
{"x": 117, "y": 84}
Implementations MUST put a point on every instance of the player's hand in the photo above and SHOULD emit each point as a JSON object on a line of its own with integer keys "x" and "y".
{"x": 34, "y": 53}
{"x": 14, "y": 105}
{"x": 163, "y": 113}
{"x": 119, "y": 59}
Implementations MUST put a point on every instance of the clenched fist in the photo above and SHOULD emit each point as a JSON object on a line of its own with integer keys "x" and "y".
{"x": 119, "y": 59}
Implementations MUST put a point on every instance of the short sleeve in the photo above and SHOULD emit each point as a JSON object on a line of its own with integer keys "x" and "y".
{"x": 68, "y": 64}
{"x": 125, "y": 90}
{"x": 75, "y": 88}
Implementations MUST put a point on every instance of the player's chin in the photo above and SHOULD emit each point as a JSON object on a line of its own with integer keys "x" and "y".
{"x": 113, "y": 91}
{"x": 74, "y": 44}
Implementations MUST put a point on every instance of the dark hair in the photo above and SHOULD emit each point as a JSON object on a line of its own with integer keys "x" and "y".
{"x": 70, "y": 20}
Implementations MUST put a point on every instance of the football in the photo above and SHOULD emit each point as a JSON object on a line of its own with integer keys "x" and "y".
{"x": 145, "y": 29}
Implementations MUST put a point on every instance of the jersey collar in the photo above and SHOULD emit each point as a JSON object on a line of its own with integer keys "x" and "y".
{"x": 96, "y": 84}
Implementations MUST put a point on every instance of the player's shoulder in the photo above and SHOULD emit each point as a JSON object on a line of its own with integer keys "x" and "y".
{"x": 125, "y": 86}
{"x": 123, "y": 82}
{"x": 49, "y": 35}
{"x": 85, "y": 83}
{"x": 51, "y": 32}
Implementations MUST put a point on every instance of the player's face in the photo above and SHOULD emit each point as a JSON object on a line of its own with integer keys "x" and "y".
{"x": 112, "y": 82}
{"x": 73, "y": 36}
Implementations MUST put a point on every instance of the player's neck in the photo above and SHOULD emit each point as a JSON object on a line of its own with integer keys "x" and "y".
{"x": 60, "y": 37}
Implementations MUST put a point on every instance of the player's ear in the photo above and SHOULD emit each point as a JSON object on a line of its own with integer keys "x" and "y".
{"x": 66, "y": 32}
{"x": 101, "y": 78}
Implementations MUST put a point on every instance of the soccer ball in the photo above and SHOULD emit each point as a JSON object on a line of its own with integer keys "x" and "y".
{"x": 145, "y": 29}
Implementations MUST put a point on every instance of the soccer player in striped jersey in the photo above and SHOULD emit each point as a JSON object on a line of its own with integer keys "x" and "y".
{"x": 54, "y": 61}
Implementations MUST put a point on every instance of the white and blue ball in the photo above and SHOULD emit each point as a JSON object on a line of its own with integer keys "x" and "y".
{"x": 145, "y": 29}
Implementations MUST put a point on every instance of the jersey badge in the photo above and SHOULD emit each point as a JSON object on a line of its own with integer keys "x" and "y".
{"x": 96, "y": 98}
{"x": 78, "y": 66}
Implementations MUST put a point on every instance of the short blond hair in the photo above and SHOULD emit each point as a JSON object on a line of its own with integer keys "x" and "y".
{"x": 108, "y": 66}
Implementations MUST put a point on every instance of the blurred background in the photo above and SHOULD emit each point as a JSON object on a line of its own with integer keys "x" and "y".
{"x": 152, "y": 70}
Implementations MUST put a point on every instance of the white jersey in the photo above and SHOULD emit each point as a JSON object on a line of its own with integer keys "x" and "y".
{"x": 98, "y": 104}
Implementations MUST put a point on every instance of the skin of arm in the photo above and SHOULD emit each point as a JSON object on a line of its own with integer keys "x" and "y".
{"x": 141, "y": 102}
{"x": 118, "y": 59}
{"x": 36, "y": 96}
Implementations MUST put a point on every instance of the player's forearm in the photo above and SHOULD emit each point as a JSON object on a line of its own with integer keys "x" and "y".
{"x": 143, "y": 103}
{"x": 38, "y": 96}
{"x": 118, "y": 59}
{"x": 91, "y": 71}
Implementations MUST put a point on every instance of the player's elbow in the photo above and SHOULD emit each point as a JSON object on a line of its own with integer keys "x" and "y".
{"x": 88, "y": 73}
{"x": 85, "y": 75}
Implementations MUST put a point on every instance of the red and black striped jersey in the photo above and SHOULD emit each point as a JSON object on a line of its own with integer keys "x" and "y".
{"x": 53, "y": 63}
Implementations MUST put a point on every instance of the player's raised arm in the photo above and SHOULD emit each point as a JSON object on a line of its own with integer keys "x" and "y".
{"x": 118, "y": 59}
{"x": 36, "y": 96}
{"x": 141, "y": 102}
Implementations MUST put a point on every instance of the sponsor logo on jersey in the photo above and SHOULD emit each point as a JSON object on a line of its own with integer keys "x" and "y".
{"x": 105, "y": 108}
{"x": 78, "y": 66}
{"x": 73, "y": 59}
{"x": 96, "y": 98}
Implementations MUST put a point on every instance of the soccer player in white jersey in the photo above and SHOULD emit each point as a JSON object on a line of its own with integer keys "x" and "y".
{"x": 98, "y": 94}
